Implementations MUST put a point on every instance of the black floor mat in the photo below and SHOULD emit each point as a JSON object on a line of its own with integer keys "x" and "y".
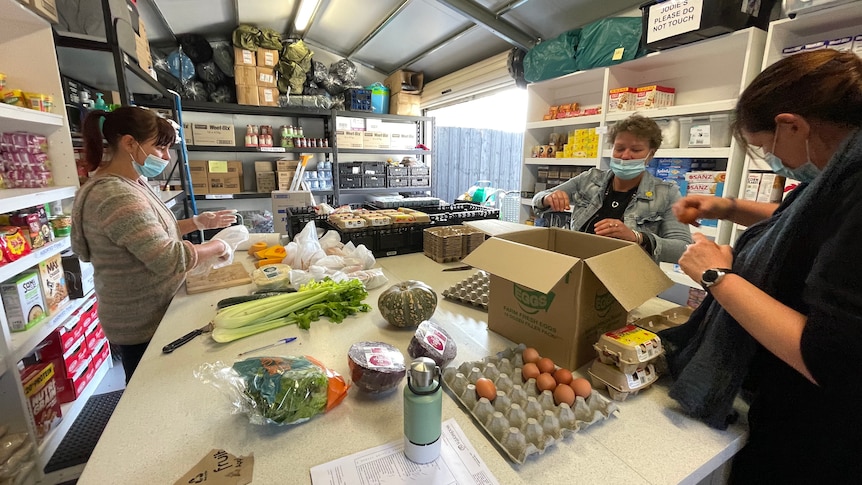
{"x": 79, "y": 442}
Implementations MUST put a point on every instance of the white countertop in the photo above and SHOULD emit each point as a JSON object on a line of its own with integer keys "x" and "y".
{"x": 167, "y": 420}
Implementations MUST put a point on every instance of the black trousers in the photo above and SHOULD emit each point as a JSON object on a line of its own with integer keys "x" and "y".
{"x": 131, "y": 355}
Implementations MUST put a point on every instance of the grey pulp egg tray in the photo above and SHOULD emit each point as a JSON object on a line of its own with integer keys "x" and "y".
{"x": 472, "y": 290}
{"x": 521, "y": 422}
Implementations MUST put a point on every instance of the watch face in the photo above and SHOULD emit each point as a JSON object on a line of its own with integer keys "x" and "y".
{"x": 710, "y": 275}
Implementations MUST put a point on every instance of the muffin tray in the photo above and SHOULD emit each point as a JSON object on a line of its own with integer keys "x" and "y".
{"x": 472, "y": 290}
{"x": 521, "y": 422}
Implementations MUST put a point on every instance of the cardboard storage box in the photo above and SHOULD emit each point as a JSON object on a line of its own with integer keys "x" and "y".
{"x": 404, "y": 104}
{"x": 267, "y": 96}
{"x": 208, "y": 134}
{"x": 398, "y": 80}
{"x": 47, "y": 9}
{"x": 265, "y": 77}
{"x": 348, "y": 139}
{"x": 224, "y": 177}
{"x": 559, "y": 290}
{"x": 198, "y": 170}
{"x": 244, "y": 57}
{"x": 245, "y": 75}
{"x": 265, "y": 181}
{"x": 376, "y": 140}
{"x": 282, "y": 201}
{"x": 247, "y": 95}
{"x": 267, "y": 57}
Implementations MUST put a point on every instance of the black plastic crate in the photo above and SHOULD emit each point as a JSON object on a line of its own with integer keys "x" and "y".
{"x": 417, "y": 171}
{"x": 396, "y": 171}
{"x": 350, "y": 168}
{"x": 419, "y": 181}
{"x": 350, "y": 181}
{"x": 373, "y": 181}
{"x": 398, "y": 181}
{"x": 298, "y": 217}
{"x": 374, "y": 168}
{"x": 356, "y": 99}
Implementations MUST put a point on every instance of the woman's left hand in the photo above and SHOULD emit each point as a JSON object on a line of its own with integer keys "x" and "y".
{"x": 703, "y": 255}
{"x": 616, "y": 229}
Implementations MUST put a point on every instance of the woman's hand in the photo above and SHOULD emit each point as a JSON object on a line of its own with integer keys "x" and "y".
{"x": 557, "y": 201}
{"x": 215, "y": 220}
{"x": 703, "y": 255}
{"x": 692, "y": 207}
{"x": 616, "y": 229}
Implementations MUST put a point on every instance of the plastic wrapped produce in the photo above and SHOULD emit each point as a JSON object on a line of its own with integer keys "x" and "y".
{"x": 196, "y": 47}
{"x": 432, "y": 341}
{"x": 181, "y": 66}
{"x": 277, "y": 390}
{"x": 223, "y": 57}
{"x": 375, "y": 367}
{"x": 209, "y": 72}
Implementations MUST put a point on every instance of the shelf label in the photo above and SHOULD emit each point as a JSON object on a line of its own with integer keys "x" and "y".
{"x": 674, "y": 17}
{"x": 273, "y": 149}
{"x": 219, "y": 196}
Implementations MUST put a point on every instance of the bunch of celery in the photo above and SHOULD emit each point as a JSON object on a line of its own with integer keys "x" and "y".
{"x": 325, "y": 298}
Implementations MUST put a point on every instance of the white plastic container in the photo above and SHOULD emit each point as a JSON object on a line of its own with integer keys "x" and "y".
{"x": 711, "y": 131}
{"x": 620, "y": 385}
{"x": 628, "y": 348}
{"x": 669, "y": 132}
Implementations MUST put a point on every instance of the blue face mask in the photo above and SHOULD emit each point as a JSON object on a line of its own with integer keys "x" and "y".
{"x": 152, "y": 166}
{"x": 627, "y": 169}
{"x": 804, "y": 173}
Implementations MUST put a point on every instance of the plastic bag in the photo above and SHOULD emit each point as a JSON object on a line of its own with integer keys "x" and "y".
{"x": 180, "y": 66}
{"x": 209, "y": 72}
{"x": 602, "y": 39}
{"x": 10, "y": 467}
{"x": 233, "y": 236}
{"x": 305, "y": 249}
{"x": 9, "y": 444}
{"x": 223, "y": 58}
{"x": 196, "y": 47}
{"x": 371, "y": 278}
{"x": 552, "y": 58}
{"x": 277, "y": 390}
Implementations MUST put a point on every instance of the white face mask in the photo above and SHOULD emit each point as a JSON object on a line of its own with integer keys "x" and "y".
{"x": 804, "y": 173}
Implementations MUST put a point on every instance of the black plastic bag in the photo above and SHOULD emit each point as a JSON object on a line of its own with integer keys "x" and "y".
{"x": 223, "y": 94}
{"x": 343, "y": 70}
{"x": 515, "y": 65}
{"x": 223, "y": 58}
{"x": 552, "y": 58}
{"x": 195, "y": 91}
{"x": 168, "y": 80}
{"x": 209, "y": 72}
{"x": 196, "y": 47}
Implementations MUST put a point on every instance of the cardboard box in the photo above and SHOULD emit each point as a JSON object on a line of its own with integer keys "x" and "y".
{"x": 284, "y": 180}
{"x": 23, "y": 302}
{"x": 244, "y": 57}
{"x": 224, "y": 177}
{"x": 40, "y": 388}
{"x": 265, "y": 77}
{"x": 649, "y": 97}
{"x": 199, "y": 181}
{"x": 622, "y": 99}
{"x": 397, "y": 81}
{"x": 267, "y": 57}
{"x": 247, "y": 95}
{"x": 404, "y": 104}
{"x": 187, "y": 133}
{"x": 348, "y": 139}
{"x": 282, "y": 200}
{"x": 53, "y": 283}
{"x": 265, "y": 181}
{"x": 68, "y": 389}
{"x": 771, "y": 188}
{"x": 208, "y": 134}
{"x": 286, "y": 165}
{"x": 559, "y": 290}
{"x": 375, "y": 140}
{"x": 66, "y": 362}
{"x": 46, "y": 9}
{"x": 752, "y": 185}
{"x": 267, "y": 96}
{"x": 245, "y": 75}
{"x": 264, "y": 166}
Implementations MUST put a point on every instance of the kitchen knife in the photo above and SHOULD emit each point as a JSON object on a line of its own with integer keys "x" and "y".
{"x": 167, "y": 349}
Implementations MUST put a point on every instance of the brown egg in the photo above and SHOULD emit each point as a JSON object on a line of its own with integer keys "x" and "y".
{"x": 486, "y": 388}
{"x": 530, "y": 371}
{"x": 581, "y": 387}
{"x": 530, "y": 355}
{"x": 546, "y": 365}
{"x": 564, "y": 394}
{"x": 545, "y": 382}
{"x": 563, "y": 376}
{"x": 688, "y": 215}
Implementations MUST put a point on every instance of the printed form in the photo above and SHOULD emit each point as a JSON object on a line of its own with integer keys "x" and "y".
{"x": 386, "y": 465}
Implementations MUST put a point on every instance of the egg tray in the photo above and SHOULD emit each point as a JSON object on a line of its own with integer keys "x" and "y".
{"x": 472, "y": 290}
{"x": 521, "y": 422}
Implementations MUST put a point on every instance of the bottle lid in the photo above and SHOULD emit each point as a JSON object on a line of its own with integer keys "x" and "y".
{"x": 422, "y": 371}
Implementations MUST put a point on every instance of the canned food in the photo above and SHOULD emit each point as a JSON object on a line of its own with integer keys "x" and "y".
{"x": 61, "y": 225}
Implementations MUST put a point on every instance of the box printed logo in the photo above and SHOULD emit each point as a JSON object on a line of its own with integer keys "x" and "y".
{"x": 531, "y": 301}
{"x": 603, "y": 303}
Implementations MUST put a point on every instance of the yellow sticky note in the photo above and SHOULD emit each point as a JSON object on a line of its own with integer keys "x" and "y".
{"x": 618, "y": 53}
{"x": 217, "y": 166}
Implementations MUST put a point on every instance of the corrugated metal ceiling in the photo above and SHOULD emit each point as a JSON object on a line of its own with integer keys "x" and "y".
{"x": 383, "y": 36}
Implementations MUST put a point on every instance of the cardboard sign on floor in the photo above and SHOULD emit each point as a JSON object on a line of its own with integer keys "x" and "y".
{"x": 559, "y": 290}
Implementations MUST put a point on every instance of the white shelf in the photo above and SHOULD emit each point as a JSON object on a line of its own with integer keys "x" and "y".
{"x": 575, "y": 121}
{"x": 15, "y": 199}
{"x": 722, "y": 152}
{"x": 578, "y": 162}
{"x": 681, "y": 110}
{"x": 24, "y": 342}
{"x": 15, "y": 267}
{"x": 16, "y": 118}
{"x": 679, "y": 278}
{"x": 70, "y": 412}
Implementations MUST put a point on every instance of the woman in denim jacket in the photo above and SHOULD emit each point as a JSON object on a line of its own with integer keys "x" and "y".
{"x": 625, "y": 202}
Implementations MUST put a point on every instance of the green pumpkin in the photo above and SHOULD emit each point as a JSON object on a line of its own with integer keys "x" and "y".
{"x": 407, "y": 304}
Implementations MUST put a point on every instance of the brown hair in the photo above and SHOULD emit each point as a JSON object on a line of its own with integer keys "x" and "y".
{"x": 142, "y": 124}
{"x": 639, "y": 126}
{"x": 824, "y": 85}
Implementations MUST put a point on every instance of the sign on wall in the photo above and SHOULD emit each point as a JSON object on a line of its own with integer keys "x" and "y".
{"x": 673, "y": 17}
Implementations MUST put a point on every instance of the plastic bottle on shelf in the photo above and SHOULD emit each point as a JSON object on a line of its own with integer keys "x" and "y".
{"x": 99, "y": 103}
{"x": 285, "y": 136}
{"x": 300, "y": 133}
{"x": 250, "y": 136}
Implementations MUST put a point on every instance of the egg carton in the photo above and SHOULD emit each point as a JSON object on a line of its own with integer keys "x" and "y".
{"x": 472, "y": 290}
{"x": 521, "y": 422}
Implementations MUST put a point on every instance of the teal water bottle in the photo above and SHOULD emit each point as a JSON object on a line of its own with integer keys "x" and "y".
{"x": 423, "y": 411}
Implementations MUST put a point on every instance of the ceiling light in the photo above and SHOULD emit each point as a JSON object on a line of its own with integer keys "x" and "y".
{"x": 306, "y": 11}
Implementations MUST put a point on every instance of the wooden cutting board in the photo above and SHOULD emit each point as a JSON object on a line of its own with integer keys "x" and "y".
{"x": 233, "y": 275}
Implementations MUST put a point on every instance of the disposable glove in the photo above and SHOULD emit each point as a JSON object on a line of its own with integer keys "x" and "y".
{"x": 231, "y": 237}
{"x": 214, "y": 220}
{"x": 223, "y": 258}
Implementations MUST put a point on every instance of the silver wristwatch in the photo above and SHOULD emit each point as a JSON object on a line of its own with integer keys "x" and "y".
{"x": 713, "y": 276}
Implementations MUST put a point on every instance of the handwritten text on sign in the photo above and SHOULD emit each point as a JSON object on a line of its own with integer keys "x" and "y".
{"x": 673, "y": 17}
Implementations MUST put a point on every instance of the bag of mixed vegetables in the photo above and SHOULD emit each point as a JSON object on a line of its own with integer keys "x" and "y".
{"x": 278, "y": 390}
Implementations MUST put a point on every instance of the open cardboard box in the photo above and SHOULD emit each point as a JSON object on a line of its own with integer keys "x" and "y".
{"x": 559, "y": 290}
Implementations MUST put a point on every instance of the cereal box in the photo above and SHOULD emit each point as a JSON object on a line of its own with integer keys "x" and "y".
{"x": 22, "y": 299}
{"x": 621, "y": 99}
{"x": 649, "y": 97}
{"x": 53, "y": 283}
{"x": 41, "y": 390}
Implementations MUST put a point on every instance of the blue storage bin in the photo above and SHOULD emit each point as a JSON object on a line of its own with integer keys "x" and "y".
{"x": 379, "y": 98}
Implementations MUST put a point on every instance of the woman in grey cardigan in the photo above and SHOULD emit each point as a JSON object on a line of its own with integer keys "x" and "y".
{"x": 624, "y": 202}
